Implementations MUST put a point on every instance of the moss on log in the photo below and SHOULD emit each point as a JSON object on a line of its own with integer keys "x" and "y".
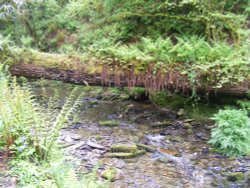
{"x": 74, "y": 69}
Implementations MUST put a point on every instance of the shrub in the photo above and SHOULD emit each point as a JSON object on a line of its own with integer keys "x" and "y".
{"x": 231, "y": 134}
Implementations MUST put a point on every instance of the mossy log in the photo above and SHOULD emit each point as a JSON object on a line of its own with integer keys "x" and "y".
{"x": 72, "y": 69}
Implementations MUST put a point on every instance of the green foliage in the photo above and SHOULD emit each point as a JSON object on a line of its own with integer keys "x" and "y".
{"x": 87, "y": 22}
{"x": 215, "y": 19}
{"x": 30, "y": 130}
{"x": 60, "y": 172}
{"x": 136, "y": 92}
{"x": 206, "y": 41}
{"x": 231, "y": 134}
{"x": 244, "y": 104}
{"x": 204, "y": 63}
{"x": 160, "y": 98}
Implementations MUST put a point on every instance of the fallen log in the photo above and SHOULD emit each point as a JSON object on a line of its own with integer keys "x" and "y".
{"x": 71, "y": 69}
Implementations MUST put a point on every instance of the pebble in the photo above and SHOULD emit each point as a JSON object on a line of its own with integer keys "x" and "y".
{"x": 200, "y": 135}
{"x": 95, "y": 145}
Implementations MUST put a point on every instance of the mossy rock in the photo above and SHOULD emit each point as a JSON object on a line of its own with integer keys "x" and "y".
{"x": 110, "y": 123}
{"x": 175, "y": 138}
{"x": 140, "y": 152}
{"x": 110, "y": 174}
{"x": 127, "y": 148}
{"x": 95, "y": 102}
{"x": 235, "y": 176}
{"x": 136, "y": 92}
{"x": 125, "y": 155}
{"x": 120, "y": 155}
{"x": 146, "y": 147}
{"x": 98, "y": 137}
{"x": 187, "y": 126}
{"x": 190, "y": 131}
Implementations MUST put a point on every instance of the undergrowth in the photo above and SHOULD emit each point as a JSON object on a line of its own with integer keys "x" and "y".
{"x": 231, "y": 134}
{"x": 29, "y": 134}
{"x": 203, "y": 43}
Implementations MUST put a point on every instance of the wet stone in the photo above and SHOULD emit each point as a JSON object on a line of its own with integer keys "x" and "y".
{"x": 190, "y": 131}
{"x": 95, "y": 145}
{"x": 109, "y": 123}
{"x": 187, "y": 126}
{"x": 200, "y": 135}
{"x": 147, "y": 147}
{"x": 235, "y": 176}
{"x": 110, "y": 174}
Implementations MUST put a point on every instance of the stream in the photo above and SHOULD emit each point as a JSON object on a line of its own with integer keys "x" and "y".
{"x": 177, "y": 155}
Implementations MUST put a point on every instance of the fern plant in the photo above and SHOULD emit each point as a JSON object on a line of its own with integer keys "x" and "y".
{"x": 231, "y": 134}
{"x": 29, "y": 129}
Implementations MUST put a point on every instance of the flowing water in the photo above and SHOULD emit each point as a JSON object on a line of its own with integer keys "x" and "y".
{"x": 181, "y": 156}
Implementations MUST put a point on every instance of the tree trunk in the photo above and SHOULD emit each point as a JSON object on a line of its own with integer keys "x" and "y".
{"x": 70, "y": 69}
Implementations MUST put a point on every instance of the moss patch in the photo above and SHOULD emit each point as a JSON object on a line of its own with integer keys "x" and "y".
{"x": 109, "y": 123}
{"x": 130, "y": 148}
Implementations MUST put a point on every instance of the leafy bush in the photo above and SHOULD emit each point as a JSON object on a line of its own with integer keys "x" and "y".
{"x": 244, "y": 104}
{"x": 231, "y": 134}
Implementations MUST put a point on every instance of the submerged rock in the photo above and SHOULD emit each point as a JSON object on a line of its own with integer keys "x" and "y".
{"x": 109, "y": 123}
{"x": 124, "y": 151}
{"x": 130, "y": 148}
{"x": 235, "y": 176}
{"x": 190, "y": 131}
{"x": 170, "y": 152}
{"x": 247, "y": 178}
{"x": 161, "y": 124}
{"x": 110, "y": 174}
{"x": 124, "y": 155}
{"x": 187, "y": 126}
{"x": 173, "y": 138}
{"x": 95, "y": 145}
{"x": 147, "y": 147}
{"x": 201, "y": 135}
